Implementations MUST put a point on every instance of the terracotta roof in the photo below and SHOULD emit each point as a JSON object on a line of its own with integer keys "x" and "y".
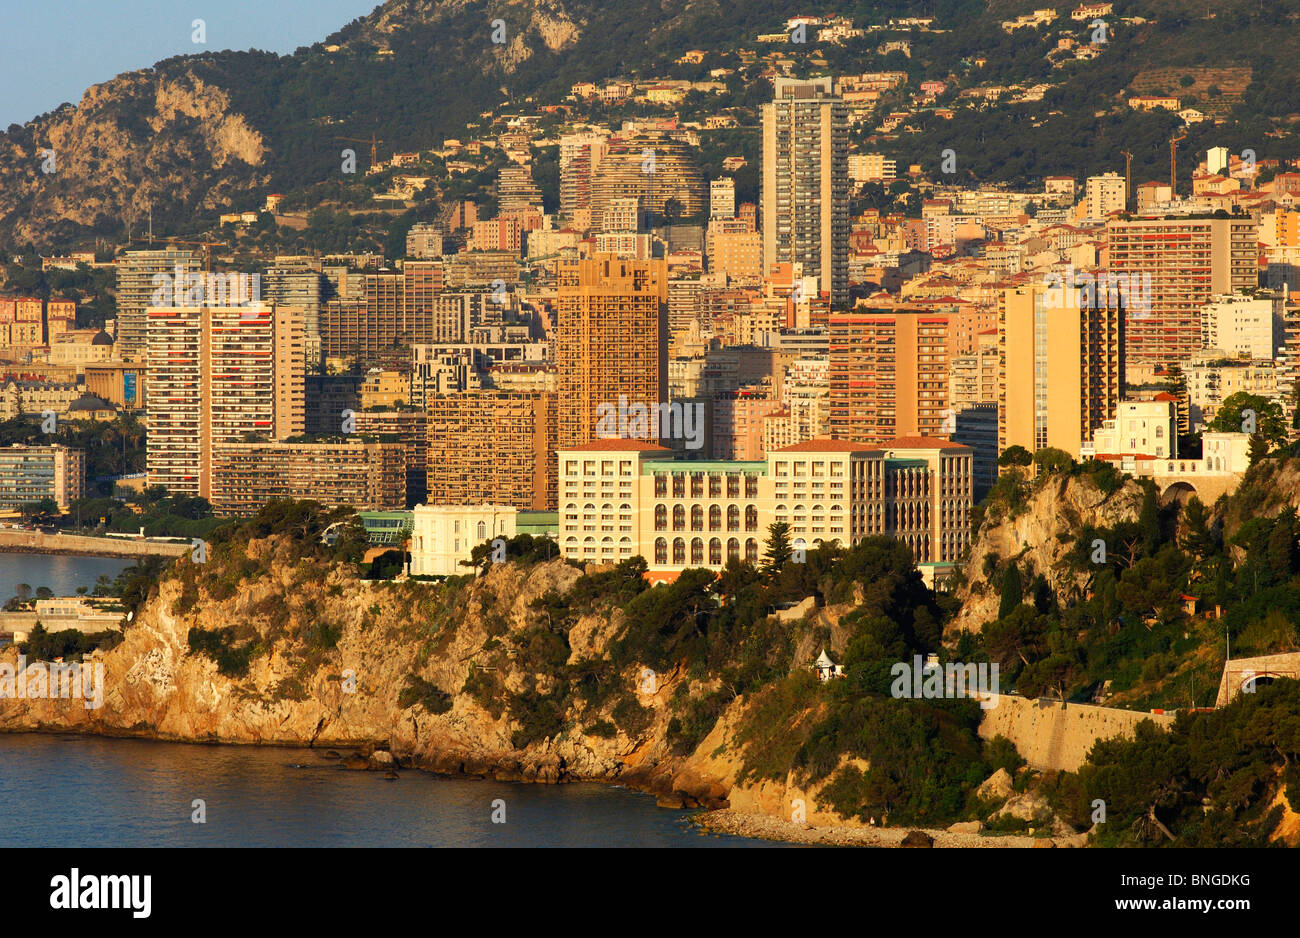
{"x": 923, "y": 442}
{"x": 827, "y": 446}
{"x": 616, "y": 444}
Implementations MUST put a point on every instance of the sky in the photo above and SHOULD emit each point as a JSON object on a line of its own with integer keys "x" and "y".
{"x": 53, "y": 50}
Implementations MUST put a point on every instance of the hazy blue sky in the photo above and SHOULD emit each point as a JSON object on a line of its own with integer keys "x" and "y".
{"x": 53, "y": 50}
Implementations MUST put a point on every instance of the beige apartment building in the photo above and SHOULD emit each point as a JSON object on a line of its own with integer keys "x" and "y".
{"x": 611, "y": 340}
{"x": 33, "y": 473}
{"x": 217, "y": 374}
{"x": 353, "y": 472}
{"x": 492, "y": 447}
{"x": 1061, "y": 369}
{"x": 805, "y": 200}
{"x": 1189, "y": 259}
{"x": 623, "y": 498}
{"x": 889, "y": 374}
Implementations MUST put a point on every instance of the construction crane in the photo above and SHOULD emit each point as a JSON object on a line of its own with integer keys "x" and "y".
{"x": 1128, "y": 176}
{"x": 1173, "y": 163}
{"x": 206, "y": 245}
{"x": 374, "y": 147}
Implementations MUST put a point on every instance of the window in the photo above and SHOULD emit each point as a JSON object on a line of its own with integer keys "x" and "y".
{"x": 482, "y": 531}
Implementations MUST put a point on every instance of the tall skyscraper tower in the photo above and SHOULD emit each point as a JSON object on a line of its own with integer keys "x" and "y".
{"x": 806, "y": 182}
{"x": 611, "y": 340}
{"x": 135, "y": 288}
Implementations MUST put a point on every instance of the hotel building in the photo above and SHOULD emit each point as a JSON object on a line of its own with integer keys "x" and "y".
{"x": 623, "y": 498}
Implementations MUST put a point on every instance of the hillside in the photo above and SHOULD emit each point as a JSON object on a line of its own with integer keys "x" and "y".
{"x": 199, "y": 133}
{"x": 700, "y": 691}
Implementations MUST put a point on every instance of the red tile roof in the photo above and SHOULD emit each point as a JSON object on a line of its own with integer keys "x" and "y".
{"x": 617, "y": 444}
{"x": 923, "y": 442}
{"x": 827, "y": 446}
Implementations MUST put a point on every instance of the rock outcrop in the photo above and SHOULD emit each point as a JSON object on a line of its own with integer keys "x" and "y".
{"x": 1039, "y": 537}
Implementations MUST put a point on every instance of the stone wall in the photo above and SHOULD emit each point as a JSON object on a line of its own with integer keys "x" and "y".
{"x": 37, "y": 543}
{"x": 1052, "y": 735}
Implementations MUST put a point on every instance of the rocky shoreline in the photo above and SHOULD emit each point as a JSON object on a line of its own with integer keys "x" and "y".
{"x": 765, "y": 827}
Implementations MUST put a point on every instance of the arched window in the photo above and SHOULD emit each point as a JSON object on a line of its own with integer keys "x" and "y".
{"x": 697, "y": 550}
{"x": 679, "y": 550}
{"x": 733, "y": 548}
{"x": 661, "y": 517}
{"x": 697, "y": 518}
{"x": 679, "y": 518}
{"x": 482, "y": 531}
{"x": 715, "y": 517}
{"x": 661, "y": 550}
{"x": 751, "y": 550}
{"x": 733, "y": 518}
{"x": 751, "y": 518}
{"x": 715, "y": 551}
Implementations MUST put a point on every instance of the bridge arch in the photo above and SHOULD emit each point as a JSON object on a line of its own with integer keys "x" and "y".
{"x": 1179, "y": 492}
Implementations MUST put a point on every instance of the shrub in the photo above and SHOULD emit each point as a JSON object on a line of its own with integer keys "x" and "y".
{"x": 425, "y": 694}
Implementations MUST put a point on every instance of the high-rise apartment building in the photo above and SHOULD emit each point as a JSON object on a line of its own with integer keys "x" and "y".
{"x": 580, "y": 155}
{"x": 299, "y": 286}
{"x": 1062, "y": 366}
{"x": 217, "y": 374}
{"x": 1185, "y": 260}
{"x": 806, "y": 182}
{"x": 492, "y": 447}
{"x": 654, "y": 168}
{"x": 611, "y": 340}
{"x": 888, "y": 374}
{"x": 358, "y": 472}
{"x": 136, "y": 286}
{"x": 34, "y": 473}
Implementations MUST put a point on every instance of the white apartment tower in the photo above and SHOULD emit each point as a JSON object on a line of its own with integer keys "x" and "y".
{"x": 806, "y": 182}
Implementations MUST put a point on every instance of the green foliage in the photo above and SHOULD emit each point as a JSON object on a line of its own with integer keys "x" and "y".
{"x": 632, "y": 718}
{"x": 68, "y": 644}
{"x": 426, "y": 694}
{"x": 1231, "y": 760}
{"x": 1015, "y": 455}
{"x": 232, "y": 659}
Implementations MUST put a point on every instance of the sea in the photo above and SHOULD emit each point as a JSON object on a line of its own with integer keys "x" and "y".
{"x": 80, "y": 791}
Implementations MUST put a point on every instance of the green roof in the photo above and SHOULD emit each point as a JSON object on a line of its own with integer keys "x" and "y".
{"x": 651, "y": 466}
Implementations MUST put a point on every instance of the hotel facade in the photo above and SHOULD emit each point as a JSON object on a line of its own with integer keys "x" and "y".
{"x": 621, "y": 498}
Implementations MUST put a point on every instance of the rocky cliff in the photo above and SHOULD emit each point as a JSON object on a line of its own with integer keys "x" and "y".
{"x": 1039, "y": 536}
{"x": 334, "y": 655}
{"x": 165, "y": 140}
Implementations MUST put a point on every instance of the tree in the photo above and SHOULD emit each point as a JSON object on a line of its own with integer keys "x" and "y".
{"x": 1050, "y": 459}
{"x": 1015, "y": 455}
{"x": 1268, "y": 421}
{"x": 778, "y": 549}
{"x": 1013, "y": 591}
{"x": 1197, "y": 539}
{"x": 1258, "y": 448}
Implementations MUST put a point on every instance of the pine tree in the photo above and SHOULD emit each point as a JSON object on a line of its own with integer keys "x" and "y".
{"x": 778, "y": 546}
{"x": 1013, "y": 591}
